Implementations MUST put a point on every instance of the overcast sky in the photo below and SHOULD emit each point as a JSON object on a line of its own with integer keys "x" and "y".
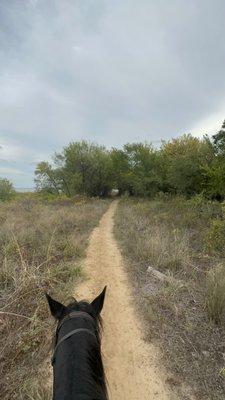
{"x": 106, "y": 71}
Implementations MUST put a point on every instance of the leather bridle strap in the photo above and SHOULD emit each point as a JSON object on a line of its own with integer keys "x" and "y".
{"x": 74, "y": 314}
{"x": 71, "y": 333}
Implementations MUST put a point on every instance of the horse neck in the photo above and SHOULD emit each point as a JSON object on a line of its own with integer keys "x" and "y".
{"x": 78, "y": 370}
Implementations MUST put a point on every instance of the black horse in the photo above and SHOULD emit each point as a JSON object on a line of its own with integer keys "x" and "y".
{"x": 76, "y": 360}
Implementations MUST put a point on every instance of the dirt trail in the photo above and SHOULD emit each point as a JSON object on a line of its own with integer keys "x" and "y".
{"x": 131, "y": 364}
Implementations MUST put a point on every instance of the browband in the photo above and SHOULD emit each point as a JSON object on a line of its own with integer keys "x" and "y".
{"x": 74, "y": 314}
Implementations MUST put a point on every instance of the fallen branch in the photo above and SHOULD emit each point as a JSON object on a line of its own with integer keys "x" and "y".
{"x": 15, "y": 315}
{"x": 161, "y": 276}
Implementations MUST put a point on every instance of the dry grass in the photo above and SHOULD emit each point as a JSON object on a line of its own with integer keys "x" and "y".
{"x": 215, "y": 290}
{"x": 163, "y": 246}
{"x": 184, "y": 315}
{"x": 42, "y": 244}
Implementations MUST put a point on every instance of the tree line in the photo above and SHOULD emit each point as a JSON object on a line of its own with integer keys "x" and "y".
{"x": 185, "y": 165}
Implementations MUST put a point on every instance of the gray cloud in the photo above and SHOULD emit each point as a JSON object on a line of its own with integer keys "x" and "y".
{"x": 106, "y": 71}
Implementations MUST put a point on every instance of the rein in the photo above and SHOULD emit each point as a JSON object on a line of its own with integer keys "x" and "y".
{"x": 68, "y": 317}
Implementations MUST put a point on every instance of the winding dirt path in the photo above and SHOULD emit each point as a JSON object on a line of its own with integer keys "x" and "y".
{"x": 131, "y": 364}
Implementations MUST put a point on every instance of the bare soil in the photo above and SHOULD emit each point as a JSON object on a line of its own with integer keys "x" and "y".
{"x": 132, "y": 365}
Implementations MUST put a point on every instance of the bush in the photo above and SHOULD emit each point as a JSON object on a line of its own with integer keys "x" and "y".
{"x": 7, "y": 190}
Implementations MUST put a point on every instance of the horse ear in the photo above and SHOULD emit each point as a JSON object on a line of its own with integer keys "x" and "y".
{"x": 56, "y": 308}
{"x": 98, "y": 302}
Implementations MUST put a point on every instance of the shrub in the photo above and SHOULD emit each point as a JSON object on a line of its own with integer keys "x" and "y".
{"x": 215, "y": 237}
{"x": 7, "y": 190}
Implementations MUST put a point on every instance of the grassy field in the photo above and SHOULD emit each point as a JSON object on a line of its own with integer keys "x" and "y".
{"x": 42, "y": 244}
{"x": 185, "y": 311}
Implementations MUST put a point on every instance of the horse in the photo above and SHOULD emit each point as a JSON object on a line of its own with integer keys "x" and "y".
{"x": 77, "y": 362}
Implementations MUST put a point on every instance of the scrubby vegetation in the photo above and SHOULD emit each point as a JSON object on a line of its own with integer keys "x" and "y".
{"x": 42, "y": 243}
{"x": 185, "y": 166}
{"x": 7, "y": 191}
{"x": 185, "y": 312}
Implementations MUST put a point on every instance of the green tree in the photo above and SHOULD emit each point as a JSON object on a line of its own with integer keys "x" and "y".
{"x": 146, "y": 169}
{"x": 219, "y": 141}
{"x": 81, "y": 168}
{"x": 214, "y": 173}
{"x": 214, "y": 179}
{"x": 46, "y": 178}
{"x": 122, "y": 174}
{"x": 185, "y": 158}
{"x": 88, "y": 168}
{"x": 186, "y": 165}
{"x": 7, "y": 190}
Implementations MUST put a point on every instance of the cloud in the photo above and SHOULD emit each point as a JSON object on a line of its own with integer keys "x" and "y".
{"x": 107, "y": 71}
{"x": 10, "y": 171}
{"x": 10, "y": 152}
{"x": 210, "y": 124}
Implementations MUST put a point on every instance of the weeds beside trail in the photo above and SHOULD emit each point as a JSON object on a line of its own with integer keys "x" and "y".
{"x": 41, "y": 248}
{"x": 184, "y": 239}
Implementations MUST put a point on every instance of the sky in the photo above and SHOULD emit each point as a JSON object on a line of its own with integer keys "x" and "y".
{"x": 111, "y": 72}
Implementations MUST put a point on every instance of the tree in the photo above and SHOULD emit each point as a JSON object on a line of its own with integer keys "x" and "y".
{"x": 219, "y": 141}
{"x": 186, "y": 165}
{"x": 145, "y": 167}
{"x": 7, "y": 190}
{"x": 214, "y": 174}
{"x": 214, "y": 180}
{"x": 185, "y": 158}
{"x": 81, "y": 168}
{"x": 88, "y": 168}
{"x": 46, "y": 178}
{"x": 122, "y": 174}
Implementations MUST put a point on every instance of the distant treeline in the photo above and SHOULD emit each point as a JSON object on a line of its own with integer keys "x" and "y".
{"x": 186, "y": 165}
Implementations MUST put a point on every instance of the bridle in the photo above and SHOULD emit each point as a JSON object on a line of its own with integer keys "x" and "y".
{"x": 68, "y": 317}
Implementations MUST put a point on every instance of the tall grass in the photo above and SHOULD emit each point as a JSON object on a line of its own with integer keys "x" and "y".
{"x": 185, "y": 313}
{"x": 42, "y": 245}
{"x": 215, "y": 294}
